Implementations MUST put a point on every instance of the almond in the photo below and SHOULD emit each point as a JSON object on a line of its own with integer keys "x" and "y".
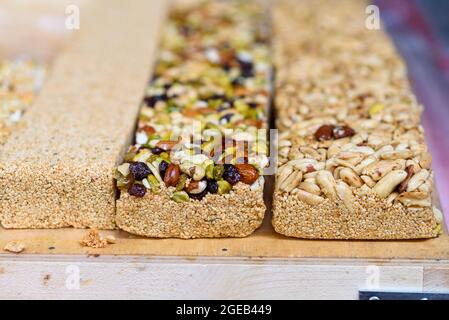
{"x": 248, "y": 173}
{"x": 166, "y": 145}
{"x": 172, "y": 175}
{"x": 191, "y": 113}
{"x": 196, "y": 187}
{"x": 341, "y": 132}
{"x": 324, "y": 133}
{"x": 149, "y": 130}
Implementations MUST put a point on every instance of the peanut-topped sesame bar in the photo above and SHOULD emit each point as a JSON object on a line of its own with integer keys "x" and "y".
{"x": 196, "y": 169}
{"x": 19, "y": 82}
{"x": 353, "y": 162}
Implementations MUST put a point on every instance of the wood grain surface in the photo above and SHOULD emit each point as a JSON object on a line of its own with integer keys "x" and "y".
{"x": 263, "y": 243}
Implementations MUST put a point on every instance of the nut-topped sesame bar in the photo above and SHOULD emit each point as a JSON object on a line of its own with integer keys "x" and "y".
{"x": 20, "y": 80}
{"x": 196, "y": 169}
{"x": 353, "y": 162}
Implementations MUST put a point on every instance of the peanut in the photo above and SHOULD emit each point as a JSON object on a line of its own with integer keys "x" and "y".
{"x": 388, "y": 183}
{"x": 327, "y": 184}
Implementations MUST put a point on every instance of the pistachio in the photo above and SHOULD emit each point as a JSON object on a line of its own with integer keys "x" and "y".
{"x": 375, "y": 109}
{"x": 210, "y": 171}
{"x": 155, "y": 170}
{"x": 124, "y": 169}
{"x": 142, "y": 156}
{"x": 154, "y": 183}
{"x": 182, "y": 182}
{"x": 224, "y": 187}
{"x": 218, "y": 172}
{"x": 180, "y": 196}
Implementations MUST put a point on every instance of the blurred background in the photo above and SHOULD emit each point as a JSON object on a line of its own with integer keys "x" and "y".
{"x": 420, "y": 29}
{"x": 34, "y": 28}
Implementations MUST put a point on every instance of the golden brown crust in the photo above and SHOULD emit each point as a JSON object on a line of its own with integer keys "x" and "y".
{"x": 237, "y": 214}
{"x": 372, "y": 219}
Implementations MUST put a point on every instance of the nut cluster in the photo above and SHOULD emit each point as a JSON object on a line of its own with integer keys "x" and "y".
{"x": 202, "y": 121}
{"x": 19, "y": 81}
{"x": 349, "y": 123}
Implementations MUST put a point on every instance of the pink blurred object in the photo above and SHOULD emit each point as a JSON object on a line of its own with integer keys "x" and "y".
{"x": 33, "y": 28}
{"x": 428, "y": 65}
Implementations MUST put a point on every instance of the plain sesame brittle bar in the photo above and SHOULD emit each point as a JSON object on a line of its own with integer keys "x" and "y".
{"x": 196, "y": 169}
{"x": 56, "y": 168}
{"x": 353, "y": 162}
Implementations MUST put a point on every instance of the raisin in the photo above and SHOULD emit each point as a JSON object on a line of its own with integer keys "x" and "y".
{"x": 217, "y": 97}
{"x": 253, "y": 105}
{"x": 247, "y": 68}
{"x": 224, "y": 106}
{"x": 139, "y": 170}
{"x": 163, "y": 168}
{"x": 341, "y": 132}
{"x": 227, "y": 117}
{"x": 212, "y": 186}
{"x": 137, "y": 190}
{"x": 238, "y": 82}
{"x": 198, "y": 196}
{"x": 156, "y": 150}
{"x": 151, "y": 101}
{"x": 231, "y": 174}
{"x": 325, "y": 132}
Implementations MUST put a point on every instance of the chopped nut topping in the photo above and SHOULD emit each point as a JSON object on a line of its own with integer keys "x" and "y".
{"x": 348, "y": 121}
{"x": 205, "y": 104}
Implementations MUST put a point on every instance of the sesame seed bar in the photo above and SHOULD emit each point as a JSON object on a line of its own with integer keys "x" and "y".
{"x": 56, "y": 169}
{"x": 20, "y": 80}
{"x": 353, "y": 162}
{"x": 196, "y": 170}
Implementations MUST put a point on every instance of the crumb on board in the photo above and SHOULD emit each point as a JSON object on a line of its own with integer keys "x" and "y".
{"x": 93, "y": 240}
{"x": 110, "y": 239}
{"x": 14, "y": 247}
